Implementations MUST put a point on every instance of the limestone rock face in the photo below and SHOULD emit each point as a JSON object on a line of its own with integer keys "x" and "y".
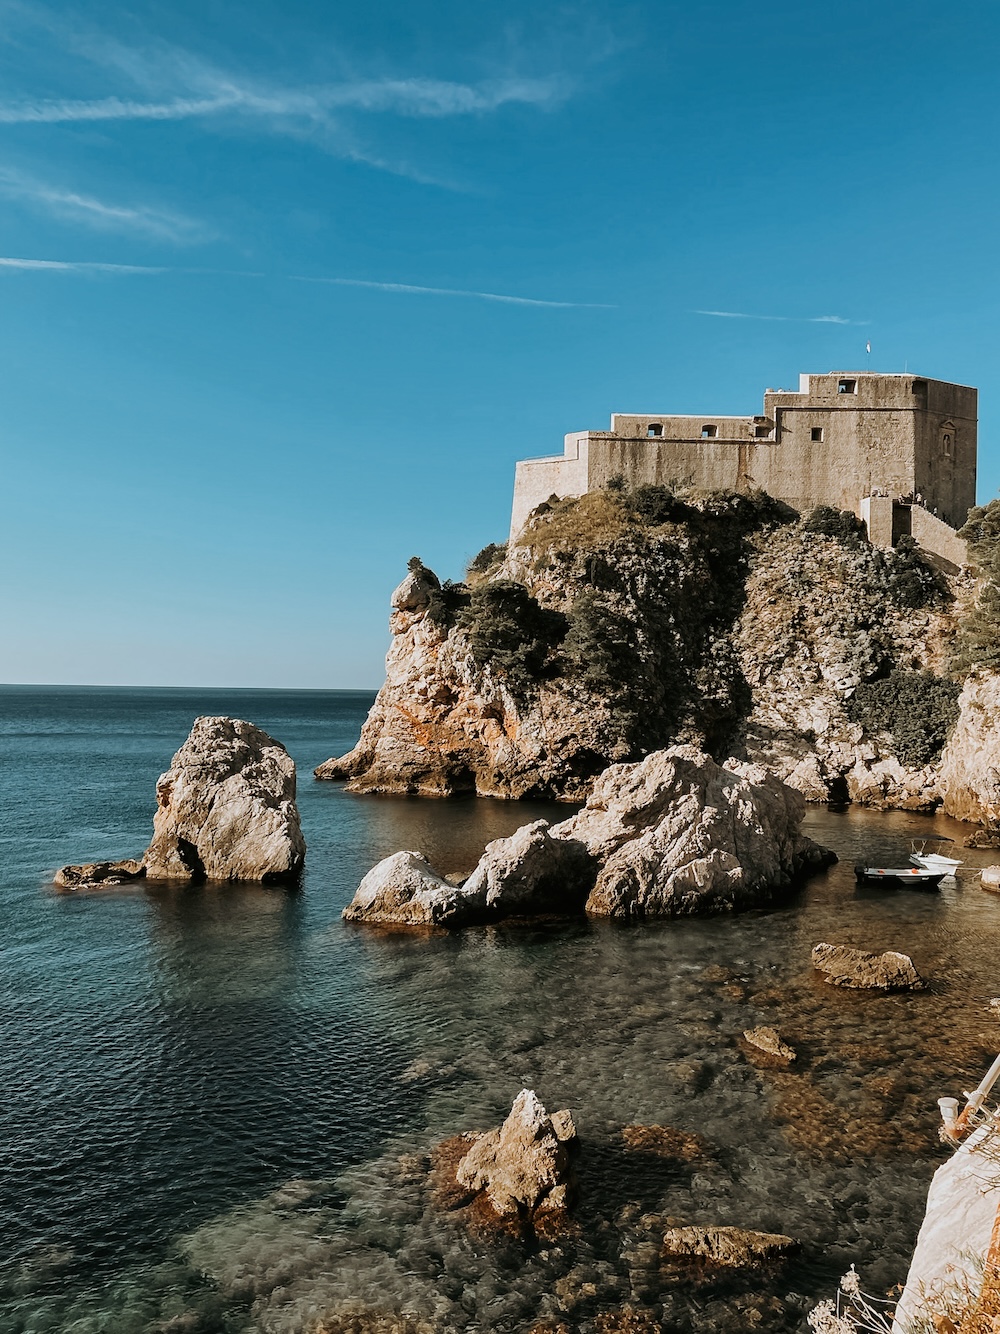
{"x": 532, "y": 872}
{"x": 677, "y": 833}
{"x": 812, "y": 620}
{"x": 846, "y": 967}
{"x": 405, "y": 890}
{"x": 226, "y": 808}
{"x": 728, "y": 1247}
{"x": 99, "y": 875}
{"x": 524, "y": 1165}
{"x": 970, "y": 765}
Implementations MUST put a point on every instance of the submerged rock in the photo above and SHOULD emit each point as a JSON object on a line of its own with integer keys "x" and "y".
{"x": 766, "y": 1042}
{"x": 666, "y": 1142}
{"x": 677, "y": 833}
{"x": 728, "y": 1247}
{"x": 99, "y": 875}
{"x": 226, "y": 808}
{"x": 846, "y": 967}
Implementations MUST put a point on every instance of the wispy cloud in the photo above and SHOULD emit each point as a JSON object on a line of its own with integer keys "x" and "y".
{"x": 91, "y": 266}
{"x": 75, "y": 266}
{"x": 456, "y": 291}
{"x": 784, "y": 319}
{"x": 98, "y": 213}
{"x": 227, "y": 95}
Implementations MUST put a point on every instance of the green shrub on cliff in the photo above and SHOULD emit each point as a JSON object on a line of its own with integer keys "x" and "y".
{"x": 844, "y": 525}
{"x": 483, "y": 561}
{"x": 916, "y": 708}
{"x": 510, "y": 632}
{"x": 979, "y": 635}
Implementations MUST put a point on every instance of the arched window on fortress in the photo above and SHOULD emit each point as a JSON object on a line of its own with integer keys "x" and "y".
{"x": 709, "y": 432}
{"x": 948, "y": 439}
{"x": 654, "y": 429}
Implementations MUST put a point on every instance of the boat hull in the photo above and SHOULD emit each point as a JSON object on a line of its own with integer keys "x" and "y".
{"x": 898, "y": 877}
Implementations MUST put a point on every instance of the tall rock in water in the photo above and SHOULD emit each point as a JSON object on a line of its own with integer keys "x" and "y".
{"x": 226, "y": 808}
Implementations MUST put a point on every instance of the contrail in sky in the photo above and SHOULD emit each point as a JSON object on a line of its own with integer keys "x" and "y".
{"x": 92, "y": 266}
{"x": 786, "y": 319}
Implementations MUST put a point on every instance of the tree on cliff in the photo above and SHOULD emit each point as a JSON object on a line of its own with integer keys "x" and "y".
{"x": 979, "y": 640}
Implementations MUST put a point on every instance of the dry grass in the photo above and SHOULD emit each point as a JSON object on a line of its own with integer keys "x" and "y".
{"x": 578, "y": 523}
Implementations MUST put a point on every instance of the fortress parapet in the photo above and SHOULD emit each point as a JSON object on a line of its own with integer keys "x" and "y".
{"x": 838, "y": 439}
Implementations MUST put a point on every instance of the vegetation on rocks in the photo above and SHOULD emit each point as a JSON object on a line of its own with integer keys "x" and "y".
{"x": 917, "y": 708}
{"x": 509, "y": 631}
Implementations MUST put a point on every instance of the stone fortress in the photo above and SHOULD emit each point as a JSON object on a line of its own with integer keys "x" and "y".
{"x": 898, "y": 450}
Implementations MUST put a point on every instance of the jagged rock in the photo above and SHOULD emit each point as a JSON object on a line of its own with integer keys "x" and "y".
{"x": 846, "y": 967}
{"x": 766, "y": 1042}
{"x": 99, "y": 875}
{"x": 405, "y": 890}
{"x": 532, "y": 872}
{"x": 226, "y": 808}
{"x": 524, "y": 1165}
{"x": 970, "y": 764}
{"x": 677, "y": 833}
{"x": 810, "y": 620}
{"x": 728, "y": 1247}
{"x": 989, "y": 878}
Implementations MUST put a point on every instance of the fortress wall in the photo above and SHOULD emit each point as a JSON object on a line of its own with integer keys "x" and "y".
{"x": 856, "y": 454}
{"x": 942, "y": 543}
{"x": 712, "y": 465}
{"x": 945, "y": 471}
{"x": 536, "y": 479}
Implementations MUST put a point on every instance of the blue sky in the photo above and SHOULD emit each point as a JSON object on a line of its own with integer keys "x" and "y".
{"x": 285, "y": 290}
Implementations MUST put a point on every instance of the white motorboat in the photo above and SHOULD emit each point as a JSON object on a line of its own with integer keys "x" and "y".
{"x": 899, "y": 877}
{"x": 927, "y": 853}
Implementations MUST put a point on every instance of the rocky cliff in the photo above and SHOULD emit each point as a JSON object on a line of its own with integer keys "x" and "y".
{"x": 622, "y": 623}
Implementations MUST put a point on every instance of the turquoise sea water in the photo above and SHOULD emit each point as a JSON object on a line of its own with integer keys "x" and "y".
{"x": 217, "y": 1103}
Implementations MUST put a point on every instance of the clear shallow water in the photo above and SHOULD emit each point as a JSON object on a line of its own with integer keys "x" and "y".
{"x": 217, "y": 1103}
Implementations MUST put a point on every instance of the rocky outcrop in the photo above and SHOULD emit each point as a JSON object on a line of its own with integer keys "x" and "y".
{"x": 955, "y": 1246}
{"x": 226, "y": 808}
{"x": 99, "y": 875}
{"x": 728, "y": 1247}
{"x": 846, "y": 967}
{"x": 528, "y": 874}
{"x": 970, "y": 764}
{"x": 524, "y": 1165}
{"x": 715, "y": 624}
{"x": 671, "y": 835}
{"x": 677, "y": 833}
{"x": 532, "y": 872}
{"x": 405, "y": 890}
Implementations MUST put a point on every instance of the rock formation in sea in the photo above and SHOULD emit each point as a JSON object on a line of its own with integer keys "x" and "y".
{"x": 225, "y": 811}
{"x": 226, "y": 808}
{"x": 671, "y": 835}
{"x": 858, "y": 969}
{"x": 619, "y": 624}
{"x": 518, "y": 1177}
{"x": 677, "y": 833}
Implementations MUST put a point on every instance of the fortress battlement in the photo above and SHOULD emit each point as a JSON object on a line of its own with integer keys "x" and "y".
{"x": 856, "y": 440}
